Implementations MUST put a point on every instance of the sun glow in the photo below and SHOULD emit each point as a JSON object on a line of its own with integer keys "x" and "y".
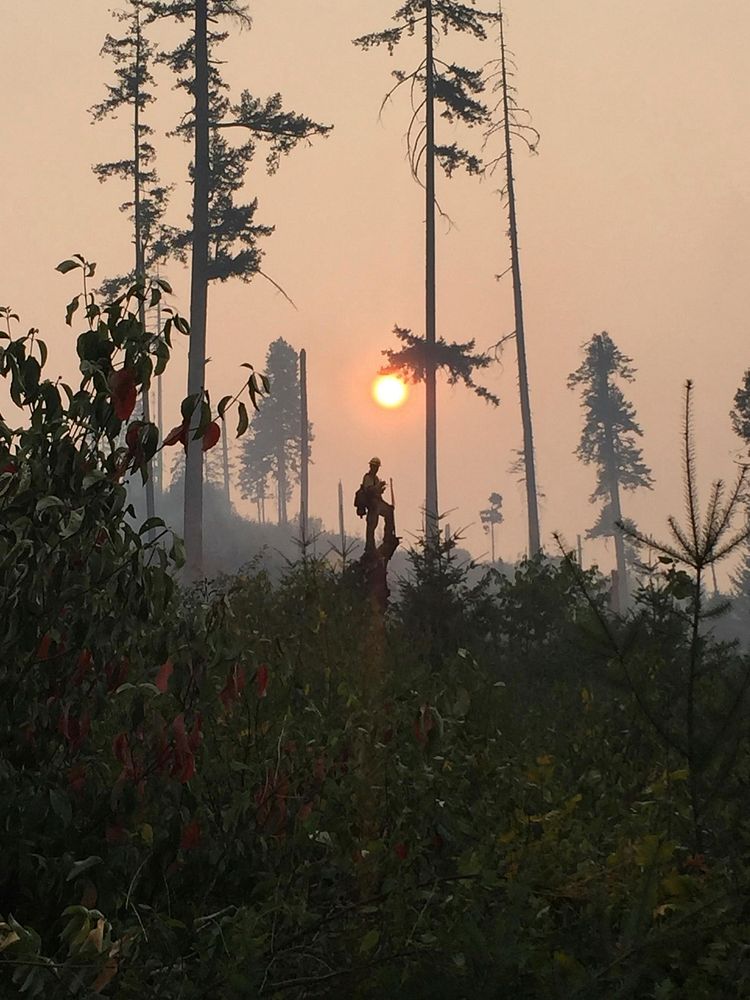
{"x": 389, "y": 391}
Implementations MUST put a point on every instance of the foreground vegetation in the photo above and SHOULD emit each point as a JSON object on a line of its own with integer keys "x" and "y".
{"x": 260, "y": 789}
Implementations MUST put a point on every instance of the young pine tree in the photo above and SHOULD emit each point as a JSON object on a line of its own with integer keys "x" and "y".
{"x": 740, "y": 416}
{"x": 609, "y": 440}
{"x": 454, "y": 92}
{"x": 273, "y": 446}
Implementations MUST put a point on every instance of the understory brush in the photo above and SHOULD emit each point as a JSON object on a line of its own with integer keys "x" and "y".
{"x": 268, "y": 788}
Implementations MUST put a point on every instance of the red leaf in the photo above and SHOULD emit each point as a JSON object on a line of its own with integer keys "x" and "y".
{"x": 124, "y": 392}
{"x": 9, "y": 467}
{"x": 191, "y": 835}
{"x": 115, "y": 833}
{"x": 85, "y": 659}
{"x": 116, "y": 672}
{"x": 401, "y": 850}
{"x": 162, "y": 678}
{"x": 77, "y": 778}
{"x": 29, "y": 734}
{"x": 121, "y": 748}
{"x": 42, "y": 651}
{"x": 195, "y": 737}
{"x": 211, "y": 435}
{"x": 234, "y": 686}
{"x": 178, "y": 435}
{"x": 319, "y": 769}
{"x": 75, "y": 730}
{"x": 261, "y": 681}
{"x": 183, "y": 767}
{"x": 697, "y": 863}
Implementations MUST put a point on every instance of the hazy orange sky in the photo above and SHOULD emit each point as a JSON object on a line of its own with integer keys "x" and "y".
{"x": 634, "y": 218}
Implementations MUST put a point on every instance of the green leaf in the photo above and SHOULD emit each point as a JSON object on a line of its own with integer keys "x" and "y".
{"x": 223, "y": 403}
{"x": 73, "y": 522}
{"x": 79, "y": 867}
{"x": 369, "y": 941}
{"x": 462, "y": 703}
{"x": 149, "y": 524}
{"x": 67, "y": 265}
{"x": 72, "y": 306}
{"x": 243, "y": 420}
{"x": 177, "y": 552}
{"x": 61, "y": 806}
{"x": 189, "y": 405}
{"x": 47, "y": 503}
{"x": 205, "y": 420}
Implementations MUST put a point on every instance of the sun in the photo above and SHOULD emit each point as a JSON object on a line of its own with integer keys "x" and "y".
{"x": 389, "y": 391}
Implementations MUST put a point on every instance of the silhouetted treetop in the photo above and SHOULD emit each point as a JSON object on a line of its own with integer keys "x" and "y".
{"x": 458, "y": 361}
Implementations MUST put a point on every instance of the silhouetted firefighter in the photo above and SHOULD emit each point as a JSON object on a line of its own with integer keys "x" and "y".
{"x": 369, "y": 503}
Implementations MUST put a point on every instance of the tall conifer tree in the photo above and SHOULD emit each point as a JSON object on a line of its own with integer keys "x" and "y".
{"x": 454, "y": 92}
{"x": 508, "y": 122}
{"x": 272, "y": 447}
{"x": 222, "y": 237}
{"x": 609, "y": 440}
{"x": 133, "y": 55}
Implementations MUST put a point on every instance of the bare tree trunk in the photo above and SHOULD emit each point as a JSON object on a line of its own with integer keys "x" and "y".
{"x": 281, "y": 481}
{"x": 304, "y": 447}
{"x": 342, "y": 533}
{"x": 198, "y": 295}
{"x": 492, "y": 540}
{"x": 225, "y": 466}
{"x": 159, "y": 413}
{"x": 160, "y": 424}
{"x": 431, "y": 485}
{"x": 523, "y": 379}
{"x": 140, "y": 267}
